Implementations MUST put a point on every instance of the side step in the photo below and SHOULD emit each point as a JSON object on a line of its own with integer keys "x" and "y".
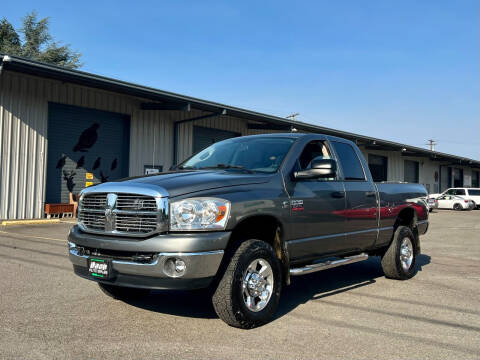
{"x": 327, "y": 264}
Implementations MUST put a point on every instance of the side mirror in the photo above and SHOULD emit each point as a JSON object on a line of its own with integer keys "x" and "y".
{"x": 320, "y": 168}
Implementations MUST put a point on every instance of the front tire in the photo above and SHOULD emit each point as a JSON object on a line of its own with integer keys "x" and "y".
{"x": 249, "y": 291}
{"x": 123, "y": 293}
{"x": 399, "y": 260}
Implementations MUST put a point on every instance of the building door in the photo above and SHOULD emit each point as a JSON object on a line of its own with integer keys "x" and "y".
{"x": 85, "y": 147}
{"x": 457, "y": 177}
{"x": 204, "y": 137}
{"x": 411, "y": 171}
{"x": 378, "y": 167}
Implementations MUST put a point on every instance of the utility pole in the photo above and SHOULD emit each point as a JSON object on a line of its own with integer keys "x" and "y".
{"x": 431, "y": 144}
{"x": 292, "y": 116}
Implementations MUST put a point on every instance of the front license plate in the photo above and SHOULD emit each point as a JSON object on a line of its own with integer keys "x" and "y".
{"x": 100, "y": 268}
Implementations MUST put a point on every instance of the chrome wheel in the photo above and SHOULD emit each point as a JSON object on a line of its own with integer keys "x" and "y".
{"x": 406, "y": 253}
{"x": 257, "y": 285}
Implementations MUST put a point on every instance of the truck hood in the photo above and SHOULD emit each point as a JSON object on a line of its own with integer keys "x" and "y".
{"x": 185, "y": 182}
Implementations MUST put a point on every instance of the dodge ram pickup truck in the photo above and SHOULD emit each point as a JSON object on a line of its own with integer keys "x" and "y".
{"x": 244, "y": 216}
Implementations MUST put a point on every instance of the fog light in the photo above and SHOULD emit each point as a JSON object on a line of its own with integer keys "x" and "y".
{"x": 174, "y": 267}
{"x": 180, "y": 266}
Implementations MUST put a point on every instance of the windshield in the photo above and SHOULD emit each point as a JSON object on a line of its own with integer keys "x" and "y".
{"x": 262, "y": 154}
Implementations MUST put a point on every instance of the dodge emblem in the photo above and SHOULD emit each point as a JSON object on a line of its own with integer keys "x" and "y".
{"x": 109, "y": 213}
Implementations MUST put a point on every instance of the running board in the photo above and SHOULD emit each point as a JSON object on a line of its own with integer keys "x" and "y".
{"x": 327, "y": 264}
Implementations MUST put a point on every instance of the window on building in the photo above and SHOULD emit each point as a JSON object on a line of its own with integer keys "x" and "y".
{"x": 411, "y": 171}
{"x": 378, "y": 167}
{"x": 350, "y": 163}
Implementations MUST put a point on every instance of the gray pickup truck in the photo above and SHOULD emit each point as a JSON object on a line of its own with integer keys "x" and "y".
{"x": 242, "y": 217}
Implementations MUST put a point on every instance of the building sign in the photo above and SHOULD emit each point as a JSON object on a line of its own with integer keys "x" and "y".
{"x": 89, "y": 176}
{"x": 88, "y": 183}
{"x": 150, "y": 169}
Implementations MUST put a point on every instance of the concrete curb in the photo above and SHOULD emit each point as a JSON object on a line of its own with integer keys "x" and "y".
{"x": 29, "y": 222}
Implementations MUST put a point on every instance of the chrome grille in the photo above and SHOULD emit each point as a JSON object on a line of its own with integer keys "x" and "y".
{"x": 136, "y": 202}
{"x": 94, "y": 221}
{"x": 95, "y": 201}
{"x": 136, "y": 223}
{"x": 122, "y": 214}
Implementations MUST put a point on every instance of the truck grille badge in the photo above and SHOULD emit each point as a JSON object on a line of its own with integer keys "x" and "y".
{"x": 109, "y": 214}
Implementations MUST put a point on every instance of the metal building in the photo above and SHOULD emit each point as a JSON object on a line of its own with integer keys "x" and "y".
{"x": 62, "y": 130}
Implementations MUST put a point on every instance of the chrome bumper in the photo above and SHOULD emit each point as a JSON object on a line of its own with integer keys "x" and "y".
{"x": 198, "y": 264}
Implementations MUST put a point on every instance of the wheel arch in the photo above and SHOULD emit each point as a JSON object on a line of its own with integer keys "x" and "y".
{"x": 263, "y": 227}
{"x": 408, "y": 217}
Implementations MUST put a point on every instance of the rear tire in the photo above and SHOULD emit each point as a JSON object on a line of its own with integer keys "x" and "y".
{"x": 399, "y": 260}
{"x": 457, "y": 207}
{"x": 123, "y": 293}
{"x": 249, "y": 291}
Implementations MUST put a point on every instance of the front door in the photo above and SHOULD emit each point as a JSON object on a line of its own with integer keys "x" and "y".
{"x": 317, "y": 207}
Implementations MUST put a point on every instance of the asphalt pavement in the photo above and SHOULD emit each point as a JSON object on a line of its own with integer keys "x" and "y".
{"x": 351, "y": 312}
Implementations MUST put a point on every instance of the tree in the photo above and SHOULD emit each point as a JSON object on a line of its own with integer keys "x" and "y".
{"x": 36, "y": 42}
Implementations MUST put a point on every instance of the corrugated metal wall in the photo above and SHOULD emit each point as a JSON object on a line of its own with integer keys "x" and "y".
{"x": 185, "y": 131}
{"x": 427, "y": 169}
{"x": 24, "y": 140}
{"x": 23, "y": 134}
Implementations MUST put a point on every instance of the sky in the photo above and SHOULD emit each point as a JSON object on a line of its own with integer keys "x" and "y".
{"x": 405, "y": 71}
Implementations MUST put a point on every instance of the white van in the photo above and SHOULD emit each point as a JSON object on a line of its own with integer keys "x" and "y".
{"x": 466, "y": 193}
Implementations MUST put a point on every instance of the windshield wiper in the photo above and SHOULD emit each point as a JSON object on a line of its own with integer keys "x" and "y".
{"x": 181, "y": 167}
{"x": 226, "y": 166}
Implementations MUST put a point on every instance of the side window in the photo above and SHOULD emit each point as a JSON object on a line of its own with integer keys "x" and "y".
{"x": 460, "y": 192}
{"x": 314, "y": 149}
{"x": 349, "y": 161}
{"x": 451, "y": 192}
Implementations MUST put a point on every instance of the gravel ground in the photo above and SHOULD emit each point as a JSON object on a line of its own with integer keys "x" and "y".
{"x": 350, "y": 312}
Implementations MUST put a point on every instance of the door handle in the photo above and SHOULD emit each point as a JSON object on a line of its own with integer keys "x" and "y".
{"x": 338, "y": 194}
{"x": 370, "y": 194}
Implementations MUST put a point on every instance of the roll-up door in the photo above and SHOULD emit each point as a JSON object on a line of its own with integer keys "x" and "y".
{"x": 85, "y": 147}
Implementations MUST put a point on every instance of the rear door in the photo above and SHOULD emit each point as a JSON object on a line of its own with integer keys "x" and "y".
{"x": 361, "y": 223}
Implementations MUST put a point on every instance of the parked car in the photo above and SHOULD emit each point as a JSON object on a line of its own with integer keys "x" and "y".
{"x": 454, "y": 202}
{"x": 467, "y": 193}
{"x": 432, "y": 203}
{"x": 243, "y": 216}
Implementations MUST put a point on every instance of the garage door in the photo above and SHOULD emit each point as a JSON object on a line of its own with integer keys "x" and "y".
{"x": 204, "y": 137}
{"x": 85, "y": 147}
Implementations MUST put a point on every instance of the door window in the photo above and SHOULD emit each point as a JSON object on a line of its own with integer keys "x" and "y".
{"x": 351, "y": 166}
{"x": 314, "y": 150}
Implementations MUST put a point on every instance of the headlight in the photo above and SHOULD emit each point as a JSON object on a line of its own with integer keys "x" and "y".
{"x": 199, "y": 214}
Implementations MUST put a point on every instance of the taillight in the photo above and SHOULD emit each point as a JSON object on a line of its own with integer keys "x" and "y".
{"x": 466, "y": 201}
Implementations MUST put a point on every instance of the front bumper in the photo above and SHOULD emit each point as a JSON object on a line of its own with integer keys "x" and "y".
{"x": 202, "y": 254}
